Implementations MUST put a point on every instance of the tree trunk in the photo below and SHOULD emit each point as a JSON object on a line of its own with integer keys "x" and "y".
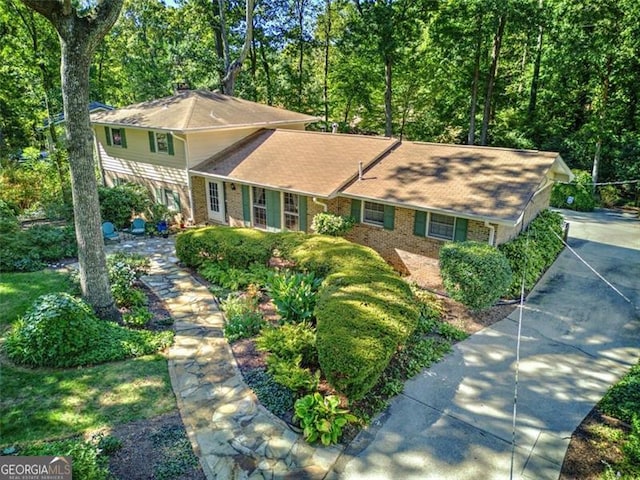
{"x": 388, "y": 114}
{"x": 79, "y": 37}
{"x": 533, "y": 96}
{"x": 497, "y": 44}
{"x": 471, "y": 138}
{"x": 233, "y": 68}
{"x": 601, "y": 119}
{"x": 325, "y": 86}
{"x": 267, "y": 73}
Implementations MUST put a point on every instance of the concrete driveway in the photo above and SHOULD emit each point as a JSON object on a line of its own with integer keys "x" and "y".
{"x": 454, "y": 421}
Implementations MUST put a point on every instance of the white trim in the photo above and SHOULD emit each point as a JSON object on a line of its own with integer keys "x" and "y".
{"x": 283, "y": 227}
{"x": 372, "y": 224}
{"x": 155, "y": 141}
{"x": 221, "y": 209}
{"x": 453, "y": 233}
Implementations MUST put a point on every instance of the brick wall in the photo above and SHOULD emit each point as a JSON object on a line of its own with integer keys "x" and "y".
{"x": 199, "y": 200}
{"x": 234, "y": 205}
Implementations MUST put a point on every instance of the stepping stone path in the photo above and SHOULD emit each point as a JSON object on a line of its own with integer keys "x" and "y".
{"x": 233, "y": 435}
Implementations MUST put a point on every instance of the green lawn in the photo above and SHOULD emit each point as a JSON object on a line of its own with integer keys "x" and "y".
{"x": 41, "y": 404}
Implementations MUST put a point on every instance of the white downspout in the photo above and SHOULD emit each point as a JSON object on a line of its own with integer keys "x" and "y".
{"x": 492, "y": 232}
{"x": 318, "y": 202}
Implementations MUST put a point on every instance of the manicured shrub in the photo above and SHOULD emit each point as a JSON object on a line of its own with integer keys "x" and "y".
{"x": 294, "y": 295}
{"x": 326, "y": 223}
{"x": 290, "y": 341}
{"x": 321, "y": 418}
{"x": 53, "y": 243}
{"x": 577, "y": 195}
{"x": 119, "y": 204}
{"x": 61, "y": 331}
{"x": 233, "y": 278}
{"x": 534, "y": 250}
{"x": 364, "y": 310}
{"x": 474, "y": 273}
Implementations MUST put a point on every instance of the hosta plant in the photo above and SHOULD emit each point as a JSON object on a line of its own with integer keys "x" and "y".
{"x": 321, "y": 418}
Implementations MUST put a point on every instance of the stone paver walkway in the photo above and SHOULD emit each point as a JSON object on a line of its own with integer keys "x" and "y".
{"x": 232, "y": 434}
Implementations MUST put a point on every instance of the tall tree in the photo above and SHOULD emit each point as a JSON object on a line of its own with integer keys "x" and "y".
{"x": 232, "y": 68}
{"x": 80, "y": 31}
{"x": 491, "y": 78}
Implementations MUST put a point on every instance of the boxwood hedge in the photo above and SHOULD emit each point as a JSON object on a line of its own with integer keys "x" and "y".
{"x": 364, "y": 310}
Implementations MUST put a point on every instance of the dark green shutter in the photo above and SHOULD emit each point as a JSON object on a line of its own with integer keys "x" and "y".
{"x": 356, "y": 210}
{"x": 389, "y": 217}
{"x": 176, "y": 200}
{"x": 302, "y": 212}
{"x": 273, "y": 209}
{"x": 460, "y": 235}
{"x": 152, "y": 142}
{"x": 246, "y": 205}
{"x": 420, "y": 224}
{"x": 123, "y": 136}
{"x": 107, "y": 132}
{"x": 170, "y": 144}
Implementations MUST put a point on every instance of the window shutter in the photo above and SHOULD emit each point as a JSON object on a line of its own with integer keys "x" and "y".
{"x": 460, "y": 234}
{"x": 389, "y": 217}
{"x": 420, "y": 224}
{"x": 246, "y": 205}
{"x": 273, "y": 209}
{"x": 160, "y": 196}
{"x": 170, "y": 144}
{"x": 176, "y": 200}
{"x": 302, "y": 212}
{"x": 356, "y": 210}
{"x": 124, "y": 137}
{"x": 107, "y": 132}
{"x": 152, "y": 142}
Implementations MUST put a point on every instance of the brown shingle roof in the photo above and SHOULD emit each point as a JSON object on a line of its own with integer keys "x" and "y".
{"x": 193, "y": 110}
{"x": 314, "y": 163}
{"x": 494, "y": 183}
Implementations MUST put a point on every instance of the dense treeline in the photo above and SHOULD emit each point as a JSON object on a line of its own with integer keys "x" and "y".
{"x": 549, "y": 74}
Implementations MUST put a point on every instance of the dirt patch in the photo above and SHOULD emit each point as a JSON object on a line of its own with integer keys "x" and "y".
{"x": 469, "y": 321}
{"x": 590, "y": 450}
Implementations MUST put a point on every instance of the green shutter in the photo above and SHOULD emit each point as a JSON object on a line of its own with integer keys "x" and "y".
{"x": 152, "y": 142}
{"x": 124, "y": 137}
{"x": 176, "y": 200}
{"x": 160, "y": 195}
{"x": 273, "y": 209}
{"x": 460, "y": 235}
{"x": 356, "y": 210}
{"x": 170, "y": 144}
{"x": 302, "y": 212}
{"x": 246, "y": 205}
{"x": 420, "y": 224}
{"x": 107, "y": 132}
{"x": 389, "y": 217}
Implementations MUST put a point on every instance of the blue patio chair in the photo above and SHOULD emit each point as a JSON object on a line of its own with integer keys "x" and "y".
{"x": 138, "y": 227}
{"x": 163, "y": 228}
{"x": 109, "y": 232}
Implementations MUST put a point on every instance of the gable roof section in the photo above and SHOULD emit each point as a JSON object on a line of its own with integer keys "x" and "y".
{"x": 199, "y": 110}
{"x": 484, "y": 182}
{"x": 312, "y": 163}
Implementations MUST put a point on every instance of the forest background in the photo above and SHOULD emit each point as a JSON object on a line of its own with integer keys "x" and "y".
{"x": 554, "y": 75}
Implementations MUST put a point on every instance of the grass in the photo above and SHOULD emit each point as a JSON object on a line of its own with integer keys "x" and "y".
{"x": 19, "y": 290}
{"x": 47, "y": 404}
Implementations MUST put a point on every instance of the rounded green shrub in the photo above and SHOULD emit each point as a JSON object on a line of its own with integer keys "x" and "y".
{"x": 119, "y": 204}
{"x": 56, "y": 330}
{"x": 577, "y": 195}
{"x": 62, "y": 331}
{"x": 474, "y": 273}
{"x": 326, "y": 223}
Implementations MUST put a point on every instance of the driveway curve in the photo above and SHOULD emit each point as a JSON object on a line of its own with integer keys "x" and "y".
{"x": 578, "y": 337}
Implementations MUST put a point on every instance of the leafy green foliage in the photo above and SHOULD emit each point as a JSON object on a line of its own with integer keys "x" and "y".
{"x": 291, "y": 374}
{"x": 61, "y": 331}
{"x": 242, "y": 318}
{"x": 87, "y": 461}
{"x": 622, "y": 400}
{"x": 322, "y": 418}
{"x": 233, "y": 278}
{"x": 476, "y": 274}
{"x": 139, "y": 317}
{"x": 119, "y": 204}
{"x": 124, "y": 271}
{"x": 178, "y": 458}
{"x": 534, "y": 250}
{"x": 294, "y": 295}
{"x": 577, "y": 195}
{"x": 275, "y": 397}
{"x": 326, "y": 223}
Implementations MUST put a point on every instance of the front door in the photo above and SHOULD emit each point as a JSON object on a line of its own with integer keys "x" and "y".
{"x": 215, "y": 201}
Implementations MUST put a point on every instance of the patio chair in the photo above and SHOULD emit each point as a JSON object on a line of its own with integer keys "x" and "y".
{"x": 109, "y": 232}
{"x": 138, "y": 227}
{"x": 163, "y": 228}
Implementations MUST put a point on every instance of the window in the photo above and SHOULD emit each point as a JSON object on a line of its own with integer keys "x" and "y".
{"x": 441, "y": 226}
{"x": 373, "y": 213}
{"x": 169, "y": 198}
{"x": 162, "y": 143}
{"x": 291, "y": 212}
{"x": 259, "y": 207}
{"x": 116, "y": 137}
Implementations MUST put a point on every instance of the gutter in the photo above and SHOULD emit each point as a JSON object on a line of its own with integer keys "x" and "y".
{"x": 318, "y": 202}
{"x": 189, "y": 189}
{"x": 492, "y": 232}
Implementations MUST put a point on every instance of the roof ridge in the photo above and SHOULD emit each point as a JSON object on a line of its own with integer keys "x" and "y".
{"x": 350, "y": 135}
{"x": 483, "y": 147}
{"x": 189, "y": 114}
